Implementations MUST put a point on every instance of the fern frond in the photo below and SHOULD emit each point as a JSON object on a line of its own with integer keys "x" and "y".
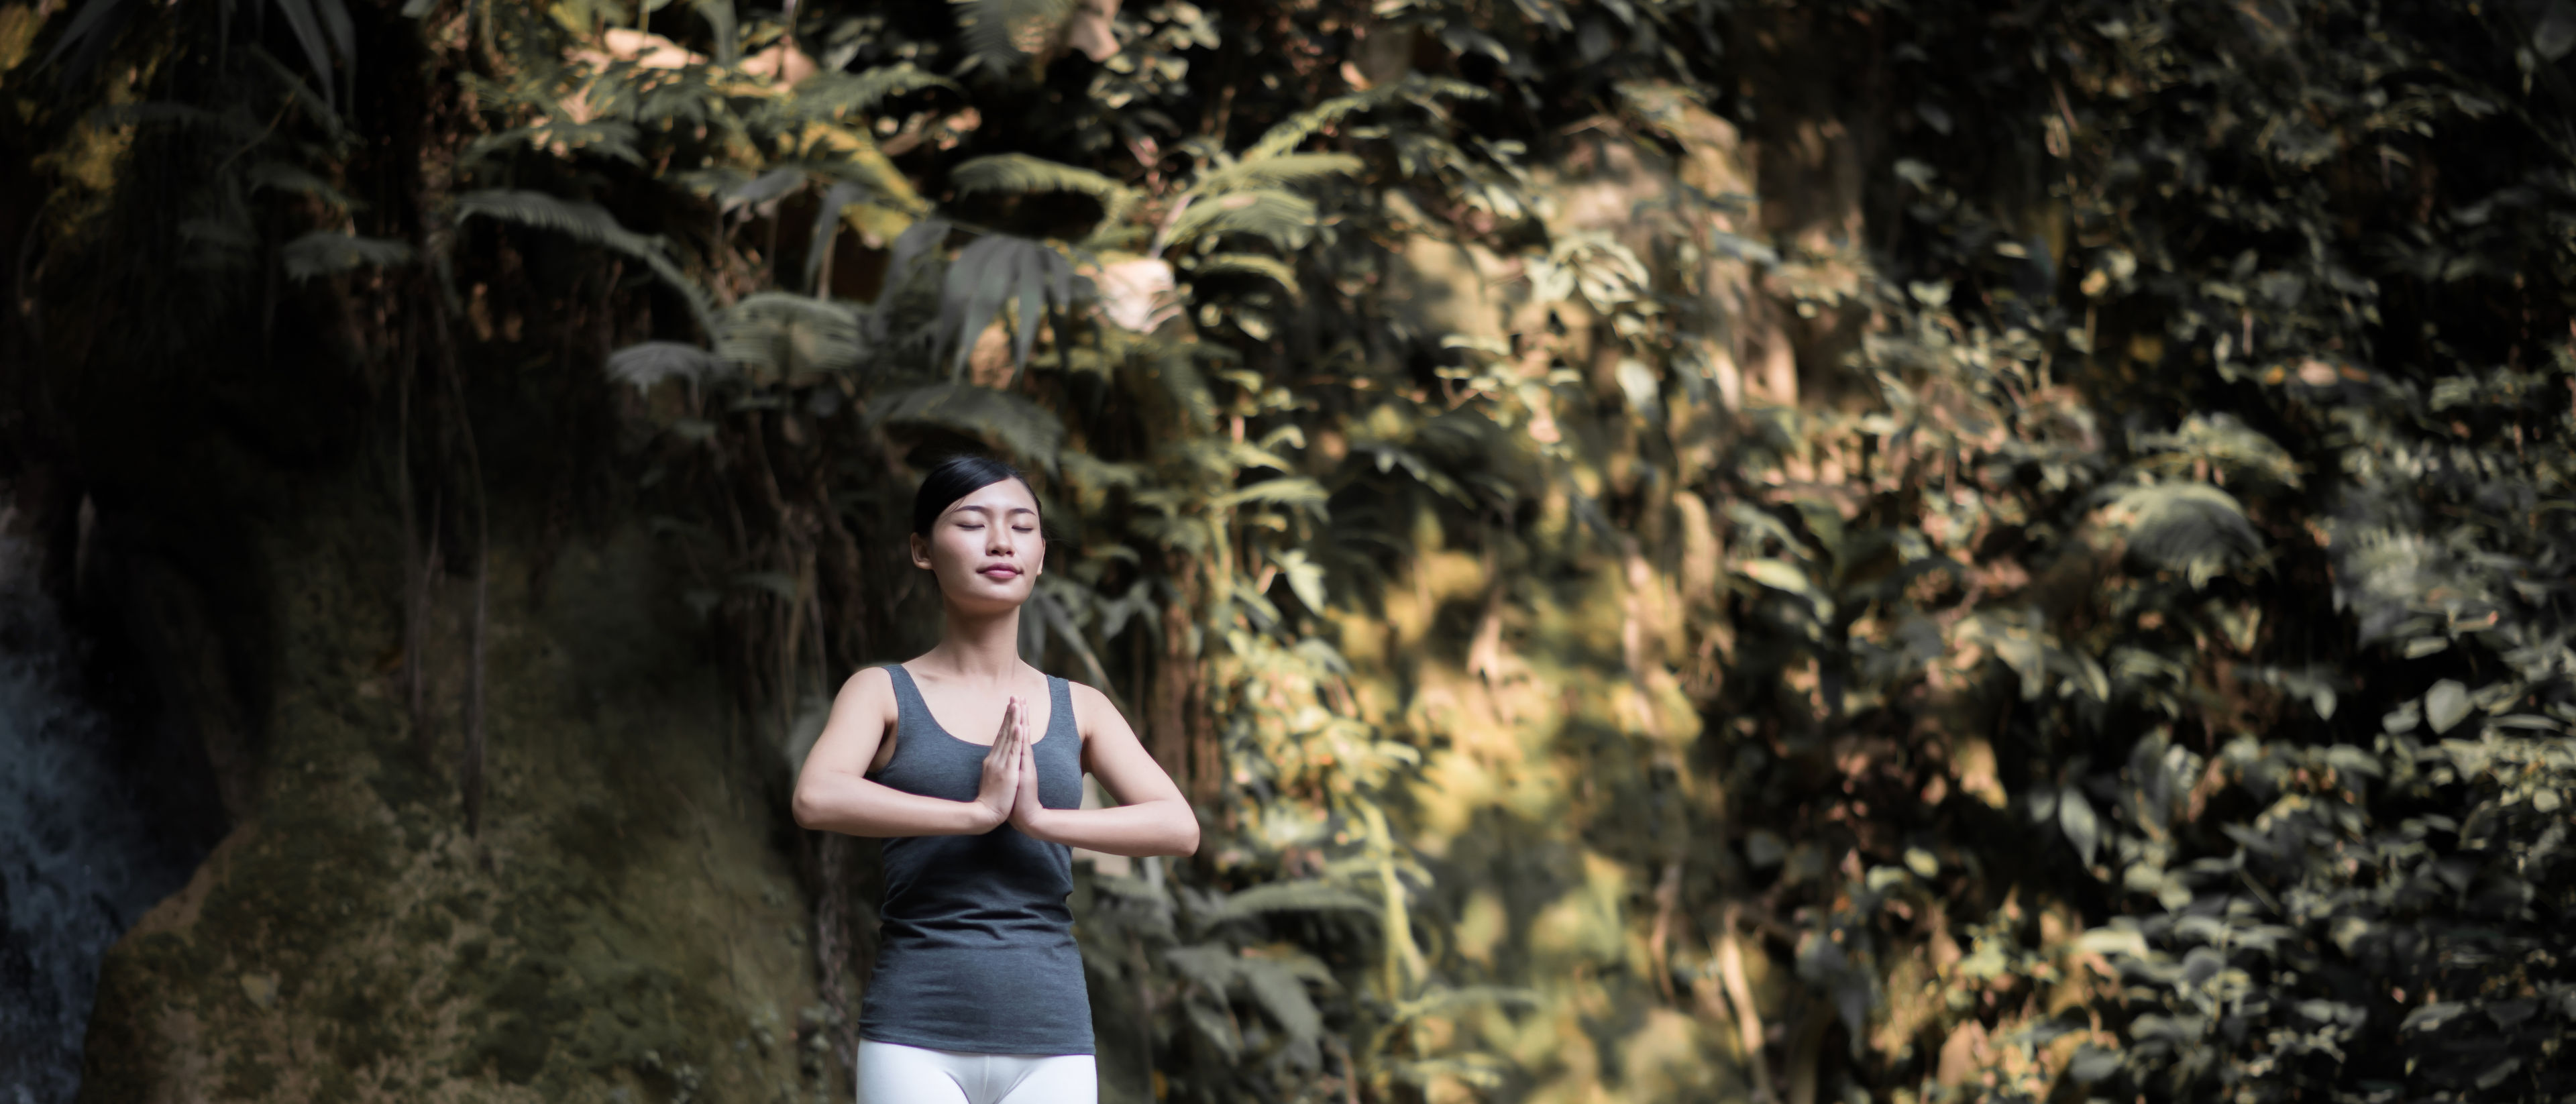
{"x": 642, "y": 366}
{"x": 1000, "y": 33}
{"x": 2221, "y": 440}
{"x": 1020, "y": 174}
{"x": 778, "y": 337}
{"x": 1281, "y": 171}
{"x": 832, "y": 95}
{"x": 1304, "y": 896}
{"x": 609, "y": 137}
{"x": 587, "y": 222}
{"x": 324, "y": 252}
{"x": 1028, "y": 432}
{"x": 1250, "y": 264}
{"x": 2193, "y": 528}
{"x": 289, "y": 178}
{"x": 1284, "y": 219}
{"x": 1421, "y": 91}
{"x": 684, "y": 97}
{"x": 994, "y": 271}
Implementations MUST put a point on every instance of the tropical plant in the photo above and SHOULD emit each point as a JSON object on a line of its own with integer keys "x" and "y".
{"x": 1669, "y": 567}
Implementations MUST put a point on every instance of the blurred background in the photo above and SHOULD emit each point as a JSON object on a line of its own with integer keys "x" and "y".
{"x": 1685, "y": 550}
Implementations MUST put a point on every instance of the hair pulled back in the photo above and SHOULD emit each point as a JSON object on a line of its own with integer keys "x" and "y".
{"x": 953, "y": 479}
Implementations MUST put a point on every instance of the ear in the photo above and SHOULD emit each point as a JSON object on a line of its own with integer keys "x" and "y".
{"x": 920, "y": 551}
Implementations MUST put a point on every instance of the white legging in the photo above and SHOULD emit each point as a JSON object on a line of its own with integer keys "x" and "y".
{"x": 891, "y": 1073}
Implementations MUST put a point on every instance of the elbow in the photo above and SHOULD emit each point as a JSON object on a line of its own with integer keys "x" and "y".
{"x": 1185, "y": 842}
{"x": 806, "y": 809}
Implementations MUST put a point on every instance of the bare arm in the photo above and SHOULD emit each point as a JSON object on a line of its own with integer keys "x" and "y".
{"x": 1152, "y": 818}
{"x": 833, "y": 792}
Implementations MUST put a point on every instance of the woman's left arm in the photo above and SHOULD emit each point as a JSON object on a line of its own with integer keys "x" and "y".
{"x": 1152, "y": 818}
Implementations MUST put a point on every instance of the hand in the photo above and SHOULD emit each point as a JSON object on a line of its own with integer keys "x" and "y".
{"x": 1025, "y": 807}
{"x": 1000, "y": 788}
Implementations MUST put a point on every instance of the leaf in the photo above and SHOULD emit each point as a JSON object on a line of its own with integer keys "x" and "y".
{"x": 2075, "y": 815}
{"x": 1022, "y": 428}
{"x": 265, "y": 175}
{"x": 1249, "y": 264}
{"x": 1282, "y": 994}
{"x": 2112, "y": 941}
{"x": 1000, "y": 33}
{"x": 778, "y": 337}
{"x": 991, "y": 273}
{"x": 1295, "y": 490}
{"x": 1021, "y": 174}
{"x": 723, "y": 29}
{"x": 2446, "y": 705}
{"x": 587, "y": 222}
{"x": 762, "y": 189}
{"x": 2092, "y": 1063}
{"x": 827, "y": 225}
{"x": 302, "y": 18}
{"x": 1784, "y": 576}
{"x": 91, "y": 31}
{"x": 2432, "y": 1016}
{"x": 1216, "y": 1029}
{"x": 1284, "y": 219}
{"x": 1305, "y": 577}
{"x": 1297, "y": 896}
{"x": 835, "y": 94}
{"x": 2193, "y": 528}
{"x": 1282, "y": 171}
{"x": 642, "y": 366}
{"x": 323, "y": 252}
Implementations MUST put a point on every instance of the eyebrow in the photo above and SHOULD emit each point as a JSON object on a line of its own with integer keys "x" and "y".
{"x": 988, "y": 509}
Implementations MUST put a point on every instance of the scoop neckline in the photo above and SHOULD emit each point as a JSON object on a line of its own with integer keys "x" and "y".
{"x": 942, "y": 727}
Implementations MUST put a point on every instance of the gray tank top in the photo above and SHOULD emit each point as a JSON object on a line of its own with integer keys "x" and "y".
{"x": 976, "y": 948}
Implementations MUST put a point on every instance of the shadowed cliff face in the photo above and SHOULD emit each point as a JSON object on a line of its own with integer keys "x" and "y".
{"x": 622, "y": 929}
{"x": 84, "y": 848}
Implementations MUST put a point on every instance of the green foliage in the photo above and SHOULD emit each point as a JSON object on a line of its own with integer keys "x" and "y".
{"x": 2066, "y": 597}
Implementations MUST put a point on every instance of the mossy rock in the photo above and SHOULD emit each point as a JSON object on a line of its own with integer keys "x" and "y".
{"x": 621, "y": 929}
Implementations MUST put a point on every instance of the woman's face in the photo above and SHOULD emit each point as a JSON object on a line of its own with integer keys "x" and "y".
{"x": 985, "y": 549}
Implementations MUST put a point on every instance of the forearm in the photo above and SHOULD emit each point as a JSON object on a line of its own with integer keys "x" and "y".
{"x": 1145, "y": 828}
{"x": 859, "y": 807}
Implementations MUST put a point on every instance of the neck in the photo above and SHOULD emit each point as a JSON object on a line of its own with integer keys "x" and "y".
{"x": 979, "y": 646}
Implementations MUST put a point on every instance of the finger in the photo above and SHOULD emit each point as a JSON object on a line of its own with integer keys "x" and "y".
{"x": 1002, "y": 738}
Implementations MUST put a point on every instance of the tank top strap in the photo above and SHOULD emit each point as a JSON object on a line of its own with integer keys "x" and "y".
{"x": 1060, "y": 720}
{"x": 911, "y": 711}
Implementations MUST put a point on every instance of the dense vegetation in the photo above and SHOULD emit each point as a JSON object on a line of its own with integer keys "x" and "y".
{"x": 1850, "y": 550}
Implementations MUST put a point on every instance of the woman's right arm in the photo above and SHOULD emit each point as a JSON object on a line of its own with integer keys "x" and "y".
{"x": 834, "y": 794}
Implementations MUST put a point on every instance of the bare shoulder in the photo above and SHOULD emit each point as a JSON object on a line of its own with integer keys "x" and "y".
{"x": 1093, "y": 711}
{"x": 869, "y": 687}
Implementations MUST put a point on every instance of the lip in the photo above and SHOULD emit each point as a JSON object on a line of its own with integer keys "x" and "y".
{"x": 999, "y": 571}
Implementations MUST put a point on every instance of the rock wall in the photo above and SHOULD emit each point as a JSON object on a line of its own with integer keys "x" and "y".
{"x": 626, "y": 926}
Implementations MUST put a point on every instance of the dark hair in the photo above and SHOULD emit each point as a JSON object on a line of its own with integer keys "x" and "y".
{"x": 953, "y": 479}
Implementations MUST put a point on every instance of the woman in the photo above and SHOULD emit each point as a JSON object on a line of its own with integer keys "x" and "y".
{"x": 978, "y": 996}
